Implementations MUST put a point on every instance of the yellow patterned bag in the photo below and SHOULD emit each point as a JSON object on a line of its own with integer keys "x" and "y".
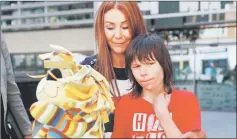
{"x": 73, "y": 100}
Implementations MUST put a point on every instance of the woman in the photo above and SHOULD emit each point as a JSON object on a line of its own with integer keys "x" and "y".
{"x": 117, "y": 23}
{"x": 158, "y": 111}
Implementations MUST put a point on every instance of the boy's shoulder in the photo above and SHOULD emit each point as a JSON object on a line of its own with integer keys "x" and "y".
{"x": 183, "y": 93}
{"x": 127, "y": 99}
{"x": 183, "y": 98}
{"x": 90, "y": 60}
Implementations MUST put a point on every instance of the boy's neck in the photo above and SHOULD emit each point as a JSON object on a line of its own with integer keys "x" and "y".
{"x": 149, "y": 95}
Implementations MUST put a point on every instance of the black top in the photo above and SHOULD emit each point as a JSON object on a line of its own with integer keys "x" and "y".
{"x": 120, "y": 73}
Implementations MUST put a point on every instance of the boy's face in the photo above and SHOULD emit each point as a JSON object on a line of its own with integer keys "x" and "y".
{"x": 149, "y": 74}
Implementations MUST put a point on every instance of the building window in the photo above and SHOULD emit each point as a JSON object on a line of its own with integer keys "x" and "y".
{"x": 214, "y": 68}
{"x": 181, "y": 70}
{"x": 213, "y": 32}
{"x": 188, "y": 6}
{"x": 27, "y": 63}
{"x": 19, "y": 62}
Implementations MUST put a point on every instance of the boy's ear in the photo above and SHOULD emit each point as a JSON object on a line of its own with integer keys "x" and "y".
{"x": 56, "y": 73}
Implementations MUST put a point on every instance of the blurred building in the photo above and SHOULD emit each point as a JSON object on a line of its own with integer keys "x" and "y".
{"x": 30, "y": 26}
{"x": 201, "y": 37}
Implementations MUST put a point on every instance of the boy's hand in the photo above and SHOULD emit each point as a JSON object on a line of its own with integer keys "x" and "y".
{"x": 194, "y": 134}
{"x": 160, "y": 104}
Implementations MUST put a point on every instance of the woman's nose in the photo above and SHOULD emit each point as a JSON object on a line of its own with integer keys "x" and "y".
{"x": 117, "y": 33}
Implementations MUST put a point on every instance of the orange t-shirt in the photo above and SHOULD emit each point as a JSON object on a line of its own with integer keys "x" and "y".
{"x": 135, "y": 117}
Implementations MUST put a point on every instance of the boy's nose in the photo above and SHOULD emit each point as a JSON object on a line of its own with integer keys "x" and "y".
{"x": 143, "y": 75}
{"x": 143, "y": 72}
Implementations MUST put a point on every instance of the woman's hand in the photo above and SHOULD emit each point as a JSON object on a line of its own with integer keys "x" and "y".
{"x": 160, "y": 104}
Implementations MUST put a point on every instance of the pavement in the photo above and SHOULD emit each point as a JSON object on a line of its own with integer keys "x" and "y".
{"x": 215, "y": 124}
{"x": 219, "y": 124}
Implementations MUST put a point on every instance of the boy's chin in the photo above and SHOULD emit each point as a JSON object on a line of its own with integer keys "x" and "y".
{"x": 148, "y": 87}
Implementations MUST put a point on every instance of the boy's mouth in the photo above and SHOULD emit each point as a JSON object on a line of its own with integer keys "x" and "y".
{"x": 146, "y": 80}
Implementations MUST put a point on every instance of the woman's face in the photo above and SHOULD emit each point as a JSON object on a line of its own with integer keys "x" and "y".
{"x": 149, "y": 74}
{"x": 117, "y": 31}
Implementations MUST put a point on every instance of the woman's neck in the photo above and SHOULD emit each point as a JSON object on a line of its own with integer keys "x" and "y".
{"x": 118, "y": 60}
{"x": 149, "y": 95}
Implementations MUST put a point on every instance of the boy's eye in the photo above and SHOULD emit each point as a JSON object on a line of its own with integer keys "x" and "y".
{"x": 151, "y": 63}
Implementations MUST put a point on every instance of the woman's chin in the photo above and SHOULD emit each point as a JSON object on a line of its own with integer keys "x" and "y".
{"x": 119, "y": 50}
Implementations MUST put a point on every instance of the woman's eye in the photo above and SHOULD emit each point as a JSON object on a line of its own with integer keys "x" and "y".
{"x": 110, "y": 28}
{"x": 125, "y": 27}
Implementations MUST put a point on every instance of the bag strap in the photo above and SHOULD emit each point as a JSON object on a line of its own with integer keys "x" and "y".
{"x": 13, "y": 129}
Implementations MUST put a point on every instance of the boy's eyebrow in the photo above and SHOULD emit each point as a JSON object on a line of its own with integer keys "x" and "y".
{"x": 145, "y": 61}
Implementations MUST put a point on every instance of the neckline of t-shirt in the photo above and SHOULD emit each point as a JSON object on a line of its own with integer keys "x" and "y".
{"x": 144, "y": 99}
{"x": 125, "y": 80}
{"x": 150, "y": 104}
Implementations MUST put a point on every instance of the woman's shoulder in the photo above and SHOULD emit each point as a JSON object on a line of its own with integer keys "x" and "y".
{"x": 90, "y": 60}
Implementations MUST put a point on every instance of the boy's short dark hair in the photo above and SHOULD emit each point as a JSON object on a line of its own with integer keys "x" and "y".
{"x": 142, "y": 47}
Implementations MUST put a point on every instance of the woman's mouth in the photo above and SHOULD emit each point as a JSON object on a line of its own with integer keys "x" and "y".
{"x": 118, "y": 43}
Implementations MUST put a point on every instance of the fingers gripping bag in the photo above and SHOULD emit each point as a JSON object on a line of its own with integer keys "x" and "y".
{"x": 73, "y": 100}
